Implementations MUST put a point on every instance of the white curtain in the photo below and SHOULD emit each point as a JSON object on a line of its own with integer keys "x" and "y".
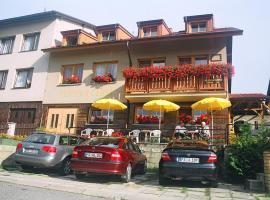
{"x": 6, "y": 46}
{"x": 112, "y": 69}
{"x": 21, "y": 79}
{"x": 79, "y": 72}
{"x": 100, "y": 70}
{"x": 67, "y": 72}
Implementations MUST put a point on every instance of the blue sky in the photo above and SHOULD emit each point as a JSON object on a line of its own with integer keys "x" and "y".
{"x": 249, "y": 51}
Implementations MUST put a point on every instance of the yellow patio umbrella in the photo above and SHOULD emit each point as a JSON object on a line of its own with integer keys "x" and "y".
{"x": 109, "y": 104}
{"x": 161, "y": 106}
{"x": 211, "y": 104}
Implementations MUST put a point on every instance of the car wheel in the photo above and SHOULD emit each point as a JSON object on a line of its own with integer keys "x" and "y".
{"x": 143, "y": 168}
{"x": 126, "y": 178}
{"x": 79, "y": 175}
{"x": 163, "y": 180}
{"x": 213, "y": 184}
{"x": 27, "y": 167}
{"x": 65, "y": 167}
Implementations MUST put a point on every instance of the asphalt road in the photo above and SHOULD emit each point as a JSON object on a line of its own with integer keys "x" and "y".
{"x": 11, "y": 191}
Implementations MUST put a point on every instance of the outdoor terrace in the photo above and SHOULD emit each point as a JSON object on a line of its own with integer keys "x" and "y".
{"x": 184, "y": 78}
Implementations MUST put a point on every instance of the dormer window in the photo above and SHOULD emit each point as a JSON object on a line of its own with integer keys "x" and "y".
{"x": 72, "y": 40}
{"x": 198, "y": 27}
{"x": 150, "y": 31}
{"x": 108, "y": 36}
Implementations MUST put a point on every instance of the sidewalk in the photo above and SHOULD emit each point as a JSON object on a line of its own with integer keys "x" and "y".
{"x": 141, "y": 187}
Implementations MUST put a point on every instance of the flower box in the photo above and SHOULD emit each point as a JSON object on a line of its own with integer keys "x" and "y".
{"x": 71, "y": 80}
{"x": 104, "y": 78}
{"x": 145, "y": 119}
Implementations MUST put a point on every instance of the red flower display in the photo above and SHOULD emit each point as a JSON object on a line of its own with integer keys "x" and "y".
{"x": 203, "y": 118}
{"x": 146, "y": 119}
{"x": 103, "y": 78}
{"x": 117, "y": 134}
{"x": 180, "y": 71}
{"x": 71, "y": 80}
{"x": 185, "y": 118}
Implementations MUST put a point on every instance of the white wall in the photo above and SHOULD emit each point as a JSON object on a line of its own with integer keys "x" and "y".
{"x": 49, "y": 34}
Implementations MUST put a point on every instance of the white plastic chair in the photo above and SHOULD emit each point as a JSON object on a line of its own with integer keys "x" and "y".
{"x": 108, "y": 132}
{"x": 155, "y": 134}
{"x": 86, "y": 132}
{"x": 135, "y": 134}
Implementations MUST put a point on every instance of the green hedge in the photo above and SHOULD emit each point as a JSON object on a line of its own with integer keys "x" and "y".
{"x": 245, "y": 158}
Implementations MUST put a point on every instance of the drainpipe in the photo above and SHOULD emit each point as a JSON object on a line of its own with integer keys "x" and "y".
{"x": 129, "y": 56}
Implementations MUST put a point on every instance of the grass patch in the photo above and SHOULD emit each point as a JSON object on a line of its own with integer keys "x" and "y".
{"x": 152, "y": 170}
{"x": 267, "y": 194}
{"x": 207, "y": 192}
{"x": 184, "y": 189}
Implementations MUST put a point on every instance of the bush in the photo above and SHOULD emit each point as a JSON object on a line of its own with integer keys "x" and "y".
{"x": 15, "y": 137}
{"x": 245, "y": 158}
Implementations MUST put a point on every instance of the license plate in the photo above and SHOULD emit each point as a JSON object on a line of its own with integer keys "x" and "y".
{"x": 93, "y": 155}
{"x": 188, "y": 160}
{"x": 31, "y": 151}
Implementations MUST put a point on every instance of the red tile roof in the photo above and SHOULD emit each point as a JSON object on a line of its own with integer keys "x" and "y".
{"x": 247, "y": 96}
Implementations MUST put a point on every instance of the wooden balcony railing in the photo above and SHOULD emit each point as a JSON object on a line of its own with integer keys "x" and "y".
{"x": 166, "y": 84}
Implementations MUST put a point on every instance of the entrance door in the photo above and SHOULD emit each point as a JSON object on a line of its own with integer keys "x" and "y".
{"x": 61, "y": 119}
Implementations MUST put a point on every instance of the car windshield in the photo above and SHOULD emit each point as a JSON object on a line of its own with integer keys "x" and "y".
{"x": 40, "y": 138}
{"x": 104, "y": 142}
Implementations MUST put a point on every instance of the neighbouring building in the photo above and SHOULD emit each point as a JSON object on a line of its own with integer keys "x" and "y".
{"x": 23, "y": 66}
{"x": 252, "y": 108}
{"x": 183, "y": 67}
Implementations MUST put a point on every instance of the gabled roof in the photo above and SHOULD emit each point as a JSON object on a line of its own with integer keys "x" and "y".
{"x": 150, "y": 22}
{"x": 198, "y": 17}
{"x": 44, "y": 16}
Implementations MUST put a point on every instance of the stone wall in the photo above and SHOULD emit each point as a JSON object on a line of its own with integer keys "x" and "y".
{"x": 6, "y": 155}
{"x": 152, "y": 152}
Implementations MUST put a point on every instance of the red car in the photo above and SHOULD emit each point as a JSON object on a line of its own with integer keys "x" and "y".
{"x": 108, "y": 155}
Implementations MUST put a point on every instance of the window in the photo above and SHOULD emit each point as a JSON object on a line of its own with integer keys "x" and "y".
{"x": 73, "y": 141}
{"x": 63, "y": 140}
{"x": 30, "y": 42}
{"x": 72, "y": 40}
{"x": 24, "y": 78}
{"x": 40, "y": 138}
{"x": 198, "y": 27}
{"x": 22, "y": 115}
{"x": 156, "y": 62}
{"x": 72, "y": 74}
{"x": 105, "y": 69}
{"x": 201, "y": 60}
{"x": 70, "y": 120}
{"x": 3, "y": 79}
{"x": 185, "y": 60}
{"x": 147, "y": 116}
{"x": 150, "y": 31}
{"x": 54, "y": 121}
{"x": 6, "y": 45}
{"x": 100, "y": 116}
{"x": 108, "y": 36}
{"x": 198, "y": 113}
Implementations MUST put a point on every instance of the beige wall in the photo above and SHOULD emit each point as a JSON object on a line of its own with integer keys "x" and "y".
{"x": 121, "y": 35}
{"x": 173, "y": 49}
{"x": 88, "y": 91}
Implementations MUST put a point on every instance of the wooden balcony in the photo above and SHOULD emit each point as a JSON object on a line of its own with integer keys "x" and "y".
{"x": 176, "y": 85}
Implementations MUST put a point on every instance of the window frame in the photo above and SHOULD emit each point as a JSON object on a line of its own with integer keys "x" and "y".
{"x": 108, "y": 34}
{"x": 70, "y": 36}
{"x": 3, "y": 81}
{"x": 12, "y": 45}
{"x": 152, "y": 60}
{"x": 193, "y": 58}
{"x": 29, "y": 73}
{"x": 105, "y": 115}
{"x": 23, "y": 114}
{"x": 106, "y": 64}
{"x": 141, "y": 107}
{"x": 36, "y": 43}
{"x": 198, "y": 27}
{"x": 73, "y": 66}
{"x": 150, "y": 28}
